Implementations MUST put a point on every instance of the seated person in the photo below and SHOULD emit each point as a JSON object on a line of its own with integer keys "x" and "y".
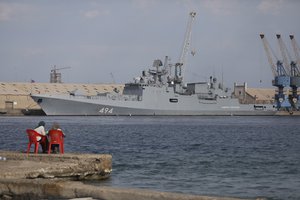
{"x": 43, "y": 140}
{"x": 54, "y": 147}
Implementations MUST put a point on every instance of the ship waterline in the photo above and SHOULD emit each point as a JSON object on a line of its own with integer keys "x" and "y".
{"x": 147, "y": 105}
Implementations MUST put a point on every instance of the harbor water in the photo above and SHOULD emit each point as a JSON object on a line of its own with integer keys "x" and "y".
{"x": 246, "y": 157}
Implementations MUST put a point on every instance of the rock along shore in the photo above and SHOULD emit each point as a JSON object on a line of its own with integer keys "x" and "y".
{"x": 43, "y": 176}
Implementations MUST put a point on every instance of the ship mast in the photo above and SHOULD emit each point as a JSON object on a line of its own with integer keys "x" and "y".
{"x": 179, "y": 66}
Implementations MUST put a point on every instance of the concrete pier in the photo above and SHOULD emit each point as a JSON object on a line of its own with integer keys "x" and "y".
{"x": 50, "y": 166}
{"x": 43, "y": 176}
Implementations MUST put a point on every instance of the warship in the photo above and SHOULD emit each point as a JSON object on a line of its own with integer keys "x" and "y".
{"x": 160, "y": 90}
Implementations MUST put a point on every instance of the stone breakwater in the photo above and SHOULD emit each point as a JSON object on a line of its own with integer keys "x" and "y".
{"x": 43, "y": 176}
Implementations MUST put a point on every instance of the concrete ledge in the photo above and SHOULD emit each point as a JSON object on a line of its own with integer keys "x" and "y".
{"x": 67, "y": 166}
{"x": 51, "y": 189}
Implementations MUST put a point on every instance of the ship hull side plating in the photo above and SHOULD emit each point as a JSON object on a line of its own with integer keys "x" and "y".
{"x": 68, "y": 105}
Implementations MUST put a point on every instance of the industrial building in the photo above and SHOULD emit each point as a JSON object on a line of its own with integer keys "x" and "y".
{"x": 253, "y": 95}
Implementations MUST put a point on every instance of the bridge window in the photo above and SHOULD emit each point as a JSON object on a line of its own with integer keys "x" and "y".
{"x": 173, "y": 100}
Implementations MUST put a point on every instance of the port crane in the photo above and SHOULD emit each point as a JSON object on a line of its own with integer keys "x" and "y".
{"x": 281, "y": 77}
{"x": 55, "y": 77}
{"x": 295, "y": 64}
{"x": 296, "y": 49}
{"x": 293, "y": 72}
{"x": 179, "y": 66}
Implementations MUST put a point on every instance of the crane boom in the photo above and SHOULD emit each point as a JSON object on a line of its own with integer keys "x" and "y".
{"x": 186, "y": 45}
{"x": 296, "y": 49}
{"x": 55, "y": 69}
{"x": 269, "y": 55}
{"x": 284, "y": 54}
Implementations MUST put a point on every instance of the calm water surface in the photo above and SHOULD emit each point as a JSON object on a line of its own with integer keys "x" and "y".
{"x": 245, "y": 157}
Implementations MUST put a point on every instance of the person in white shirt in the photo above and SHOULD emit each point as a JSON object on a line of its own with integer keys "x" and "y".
{"x": 43, "y": 140}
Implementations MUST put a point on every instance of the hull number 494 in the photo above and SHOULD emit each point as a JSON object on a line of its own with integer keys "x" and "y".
{"x": 106, "y": 110}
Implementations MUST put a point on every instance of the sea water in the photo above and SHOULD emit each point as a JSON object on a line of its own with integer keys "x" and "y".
{"x": 246, "y": 157}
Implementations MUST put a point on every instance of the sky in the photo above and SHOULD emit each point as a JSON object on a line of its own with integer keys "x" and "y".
{"x": 106, "y": 41}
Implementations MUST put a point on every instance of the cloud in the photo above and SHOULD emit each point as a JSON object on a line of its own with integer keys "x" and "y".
{"x": 221, "y": 7}
{"x": 270, "y": 6}
{"x": 6, "y": 11}
{"x": 33, "y": 52}
{"x": 144, "y": 4}
{"x": 91, "y": 14}
{"x": 9, "y": 11}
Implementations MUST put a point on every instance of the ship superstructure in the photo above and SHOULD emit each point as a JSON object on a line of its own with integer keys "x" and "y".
{"x": 158, "y": 91}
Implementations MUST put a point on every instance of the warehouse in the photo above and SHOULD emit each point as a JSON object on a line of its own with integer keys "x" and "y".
{"x": 15, "y": 96}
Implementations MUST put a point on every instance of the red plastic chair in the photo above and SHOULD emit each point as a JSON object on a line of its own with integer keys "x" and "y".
{"x": 32, "y": 136}
{"x": 56, "y": 137}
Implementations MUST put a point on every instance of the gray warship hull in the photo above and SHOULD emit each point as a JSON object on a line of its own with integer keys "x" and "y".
{"x": 161, "y": 104}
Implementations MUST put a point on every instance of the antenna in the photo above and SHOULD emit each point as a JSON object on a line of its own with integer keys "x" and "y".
{"x": 112, "y": 77}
